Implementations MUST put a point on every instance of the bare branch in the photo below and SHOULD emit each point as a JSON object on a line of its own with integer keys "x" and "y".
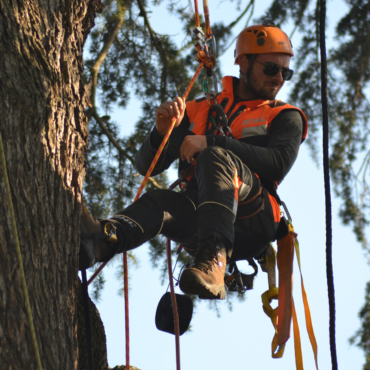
{"x": 111, "y": 138}
{"x": 157, "y": 45}
{"x": 155, "y": 183}
{"x": 117, "y": 146}
{"x": 107, "y": 45}
{"x": 234, "y": 23}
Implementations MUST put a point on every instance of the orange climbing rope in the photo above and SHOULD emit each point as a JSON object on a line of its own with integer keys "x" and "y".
{"x": 203, "y": 62}
{"x": 206, "y": 16}
{"x": 196, "y": 10}
{"x": 209, "y": 62}
{"x": 155, "y": 160}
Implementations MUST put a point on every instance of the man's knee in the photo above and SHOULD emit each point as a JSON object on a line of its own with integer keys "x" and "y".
{"x": 212, "y": 154}
{"x": 156, "y": 195}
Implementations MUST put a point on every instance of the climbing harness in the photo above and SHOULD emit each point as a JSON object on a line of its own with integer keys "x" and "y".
{"x": 19, "y": 256}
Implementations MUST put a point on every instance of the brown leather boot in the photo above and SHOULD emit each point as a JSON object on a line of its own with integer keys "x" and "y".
{"x": 95, "y": 240}
{"x": 206, "y": 277}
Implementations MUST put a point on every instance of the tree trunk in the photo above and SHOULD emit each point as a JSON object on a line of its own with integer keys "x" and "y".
{"x": 44, "y": 130}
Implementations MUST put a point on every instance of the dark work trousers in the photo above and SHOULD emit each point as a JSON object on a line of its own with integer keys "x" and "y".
{"x": 223, "y": 200}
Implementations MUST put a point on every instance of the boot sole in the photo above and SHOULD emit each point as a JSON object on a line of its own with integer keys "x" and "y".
{"x": 193, "y": 284}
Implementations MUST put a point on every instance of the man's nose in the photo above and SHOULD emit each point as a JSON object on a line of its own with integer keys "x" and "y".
{"x": 279, "y": 76}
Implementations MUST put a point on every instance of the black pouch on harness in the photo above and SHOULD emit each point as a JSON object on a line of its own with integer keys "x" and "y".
{"x": 164, "y": 319}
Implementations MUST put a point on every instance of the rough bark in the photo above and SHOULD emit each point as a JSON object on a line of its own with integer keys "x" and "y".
{"x": 99, "y": 345}
{"x": 44, "y": 130}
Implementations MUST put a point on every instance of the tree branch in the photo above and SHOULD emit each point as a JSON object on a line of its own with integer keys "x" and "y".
{"x": 157, "y": 45}
{"x": 110, "y": 137}
{"x": 115, "y": 143}
{"x": 234, "y": 23}
{"x": 107, "y": 45}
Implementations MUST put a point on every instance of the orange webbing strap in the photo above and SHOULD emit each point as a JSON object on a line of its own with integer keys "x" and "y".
{"x": 307, "y": 311}
{"x": 286, "y": 309}
{"x": 297, "y": 340}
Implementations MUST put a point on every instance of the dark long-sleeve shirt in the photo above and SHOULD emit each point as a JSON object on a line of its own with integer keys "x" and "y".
{"x": 271, "y": 157}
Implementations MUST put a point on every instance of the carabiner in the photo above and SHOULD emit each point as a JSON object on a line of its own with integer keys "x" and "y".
{"x": 213, "y": 45}
{"x": 210, "y": 95}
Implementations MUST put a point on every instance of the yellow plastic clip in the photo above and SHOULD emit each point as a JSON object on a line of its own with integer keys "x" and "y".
{"x": 267, "y": 297}
{"x": 273, "y": 293}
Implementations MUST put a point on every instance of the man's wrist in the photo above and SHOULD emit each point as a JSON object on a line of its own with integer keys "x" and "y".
{"x": 156, "y": 138}
{"x": 161, "y": 133}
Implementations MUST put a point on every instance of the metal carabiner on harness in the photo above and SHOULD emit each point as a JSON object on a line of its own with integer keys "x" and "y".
{"x": 210, "y": 95}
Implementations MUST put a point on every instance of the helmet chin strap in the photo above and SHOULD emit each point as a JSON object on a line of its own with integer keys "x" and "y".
{"x": 247, "y": 75}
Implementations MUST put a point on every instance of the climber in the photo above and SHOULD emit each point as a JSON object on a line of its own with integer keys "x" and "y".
{"x": 228, "y": 208}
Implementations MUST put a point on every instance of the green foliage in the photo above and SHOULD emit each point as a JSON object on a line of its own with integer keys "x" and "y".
{"x": 362, "y": 336}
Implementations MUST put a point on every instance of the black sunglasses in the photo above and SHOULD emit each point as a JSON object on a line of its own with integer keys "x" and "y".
{"x": 271, "y": 69}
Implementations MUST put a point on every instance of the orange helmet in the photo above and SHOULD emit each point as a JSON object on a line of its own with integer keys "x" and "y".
{"x": 262, "y": 39}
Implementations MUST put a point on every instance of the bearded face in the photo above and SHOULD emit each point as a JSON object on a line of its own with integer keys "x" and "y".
{"x": 262, "y": 86}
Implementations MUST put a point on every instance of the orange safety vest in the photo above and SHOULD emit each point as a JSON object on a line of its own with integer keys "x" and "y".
{"x": 248, "y": 118}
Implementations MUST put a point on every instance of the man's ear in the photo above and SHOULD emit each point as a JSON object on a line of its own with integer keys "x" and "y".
{"x": 244, "y": 63}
